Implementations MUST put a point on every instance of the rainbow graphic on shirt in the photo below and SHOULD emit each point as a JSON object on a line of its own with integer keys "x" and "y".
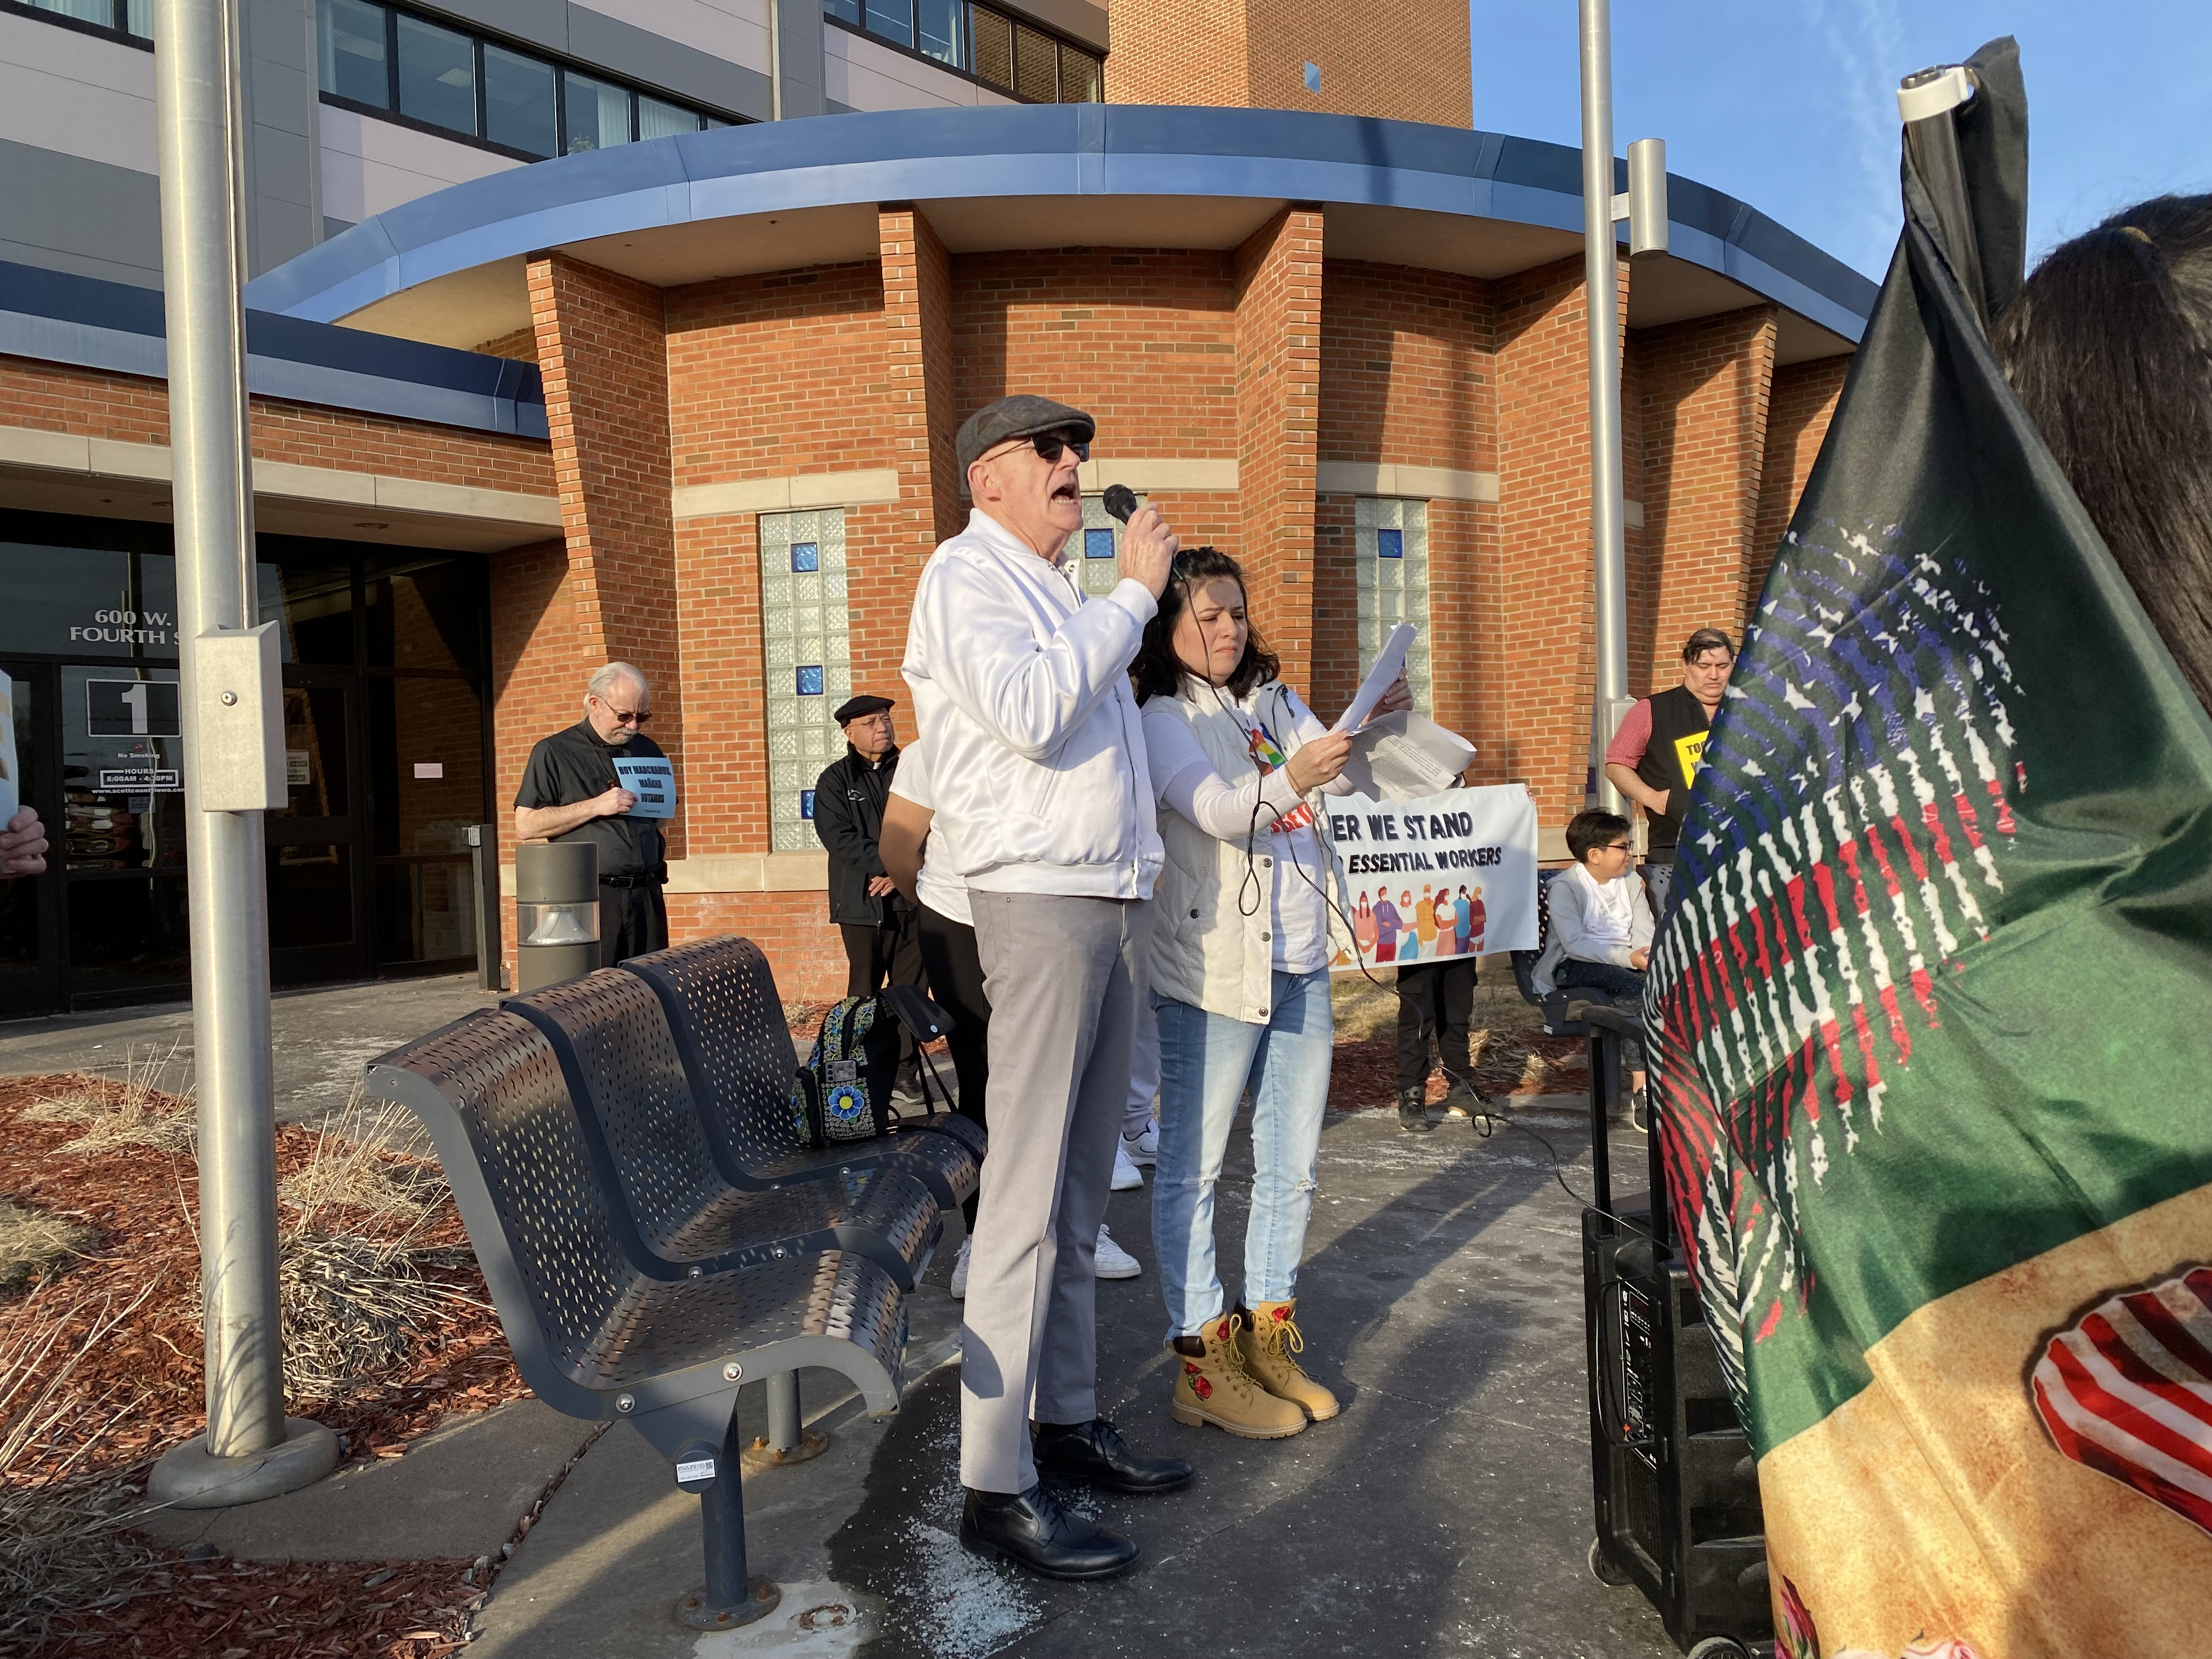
{"x": 1265, "y": 751}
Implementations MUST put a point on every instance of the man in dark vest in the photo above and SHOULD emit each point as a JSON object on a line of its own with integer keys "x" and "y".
{"x": 883, "y": 941}
{"x": 1659, "y": 746}
{"x": 570, "y": 791}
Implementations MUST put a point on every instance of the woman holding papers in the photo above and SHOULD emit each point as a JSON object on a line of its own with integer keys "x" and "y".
{"x": 1240, "y": 986}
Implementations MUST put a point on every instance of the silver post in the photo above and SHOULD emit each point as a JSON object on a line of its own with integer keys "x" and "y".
{"x": 251, "y": 1451}
{"x": 775, "y": 60}
{"x": 1601, "y": 285}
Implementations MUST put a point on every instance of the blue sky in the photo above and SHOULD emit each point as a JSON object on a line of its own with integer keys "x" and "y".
{"x": 1791, "y": 104}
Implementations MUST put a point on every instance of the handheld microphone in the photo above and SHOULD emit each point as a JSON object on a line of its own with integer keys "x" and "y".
{"x": 1121, "y": 500}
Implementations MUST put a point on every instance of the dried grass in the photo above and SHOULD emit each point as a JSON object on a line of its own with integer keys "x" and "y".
{"x": 364, "y": 1168}
{"x": 34, "y": 1247}
{"x": 351, "y": 1309}
{"x": 65, "y": 1546}
{"x": 129, "y": 1107}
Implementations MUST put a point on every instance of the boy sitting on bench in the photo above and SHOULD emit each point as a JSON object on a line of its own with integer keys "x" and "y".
{"x": 1601, "y": 928}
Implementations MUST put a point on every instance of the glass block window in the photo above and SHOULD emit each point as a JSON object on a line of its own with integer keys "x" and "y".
{"x": 1391, "y": 541}
{"x": 1100, "y": 545}
{"x": 806, "y": 639}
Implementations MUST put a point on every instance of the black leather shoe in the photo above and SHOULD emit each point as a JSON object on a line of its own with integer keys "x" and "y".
{"x": 1413, "y": 1113}
{"x": 1031, "y": 1530}
{"x": 1094, "y": 1453}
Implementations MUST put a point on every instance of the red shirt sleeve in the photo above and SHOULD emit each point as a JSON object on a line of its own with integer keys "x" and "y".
{"x": 1634, "y": 736}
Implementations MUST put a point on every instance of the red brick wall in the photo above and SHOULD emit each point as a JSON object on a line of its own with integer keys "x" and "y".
{"x": 1279, "y": 302}
{"x": 1144, "y": 341}
{"x": 724, "y": 685}
{"x": 59, "y": 397}
{"x": 767, "y": 374}
{"x": 601, "y": 346}
{"x": 913, "y": 414}
{"x": 806, "y": 951}
{"x": 1404, "y": 59}
{"x": 1799, "y": 408}
{"x": 536, "y": 686}
{"x": 1703, "y": 399}
{"x": 1537, "y": 725}
{"x": 1405, "y": 379}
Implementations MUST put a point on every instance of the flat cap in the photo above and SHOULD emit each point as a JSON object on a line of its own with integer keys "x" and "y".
{"x": 1019, "y": 416}
{"x": 854, "y": 708}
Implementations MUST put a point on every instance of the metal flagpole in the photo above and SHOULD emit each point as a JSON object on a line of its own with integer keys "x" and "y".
{"x": 1601, "y": 284}
{"x": 230, "y": 693}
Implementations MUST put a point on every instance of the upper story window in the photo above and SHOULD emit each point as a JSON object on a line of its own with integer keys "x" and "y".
{"x": 379, "y": 58}
{"x": 997, "y": 49}
{"x": 132, "y": 19}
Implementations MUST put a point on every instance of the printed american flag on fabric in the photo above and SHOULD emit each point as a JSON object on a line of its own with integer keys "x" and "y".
{"x": 1930, "y": 1019}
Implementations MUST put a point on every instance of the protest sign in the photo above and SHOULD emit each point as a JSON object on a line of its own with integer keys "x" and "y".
{"x": 652, "y": 781}
{"x": 1450, "y": 875}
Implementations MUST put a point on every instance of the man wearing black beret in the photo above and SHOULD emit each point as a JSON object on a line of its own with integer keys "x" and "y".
{"x": 882, "y": 943}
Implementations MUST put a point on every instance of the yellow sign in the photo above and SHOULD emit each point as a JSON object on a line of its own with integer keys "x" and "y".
{"x": 1690, "y": 754}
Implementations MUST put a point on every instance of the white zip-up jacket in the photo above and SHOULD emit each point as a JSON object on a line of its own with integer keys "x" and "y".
{"x": 1021, "y": 696}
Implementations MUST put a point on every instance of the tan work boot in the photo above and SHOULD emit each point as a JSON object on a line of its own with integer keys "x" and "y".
{"x": 1214, "y": 1388}
{"x": 1268, "y": 1349}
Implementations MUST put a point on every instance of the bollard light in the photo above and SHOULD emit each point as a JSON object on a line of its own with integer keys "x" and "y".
{"x": 557, "y": 911}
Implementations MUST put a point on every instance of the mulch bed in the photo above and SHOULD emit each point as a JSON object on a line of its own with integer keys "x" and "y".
{"x": 142, "y": 1204}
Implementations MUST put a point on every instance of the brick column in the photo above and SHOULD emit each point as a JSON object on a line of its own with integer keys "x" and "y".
{"x": 1703, "y": 388}
{"x": 1798, "y": 410}
{"x": 922, "y": 415}
{"x": 1279, "y": 280}
{"x": 602, "y": 348}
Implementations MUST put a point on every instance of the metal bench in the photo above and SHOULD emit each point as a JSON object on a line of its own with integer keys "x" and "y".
{"x": 729, "y": 1029}
{"x": 648, "y": 1137}
{"x": 594, "y": 1333}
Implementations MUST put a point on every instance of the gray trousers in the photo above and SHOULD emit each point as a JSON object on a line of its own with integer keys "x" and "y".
{"x": 1061, "y": 974}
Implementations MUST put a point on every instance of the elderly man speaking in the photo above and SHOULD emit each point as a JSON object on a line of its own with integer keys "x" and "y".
{"x": 1044, "y": 808}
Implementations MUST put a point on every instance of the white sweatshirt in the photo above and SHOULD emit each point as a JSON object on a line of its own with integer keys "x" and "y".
{"x": 1021, "y": 693}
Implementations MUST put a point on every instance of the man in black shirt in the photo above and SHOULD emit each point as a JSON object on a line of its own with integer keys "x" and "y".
{"x": 883, "y": 943}
{"x": 570, "y": 793}
{"x": 1655, "y": 757}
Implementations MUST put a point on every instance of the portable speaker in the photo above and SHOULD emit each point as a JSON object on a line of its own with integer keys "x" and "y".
{"x": 1675, "y": 1484}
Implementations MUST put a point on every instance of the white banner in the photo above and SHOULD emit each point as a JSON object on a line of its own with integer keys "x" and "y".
{"x": 1448, "y": 876}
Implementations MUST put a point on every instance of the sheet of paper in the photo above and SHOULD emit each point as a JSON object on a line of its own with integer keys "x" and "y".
{"x": 10, "y": 792}
{"x": 1389, "y": 663}
{"x": 652, "y": 780}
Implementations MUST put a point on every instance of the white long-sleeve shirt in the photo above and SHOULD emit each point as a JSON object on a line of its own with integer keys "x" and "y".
{"x": 1021, "y": 693}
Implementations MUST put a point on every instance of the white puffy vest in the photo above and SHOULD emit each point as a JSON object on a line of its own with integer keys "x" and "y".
{"x": 1204, "y": 952}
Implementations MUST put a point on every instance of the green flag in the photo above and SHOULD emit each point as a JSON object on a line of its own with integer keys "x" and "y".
{"x": 1933, "y": 1014}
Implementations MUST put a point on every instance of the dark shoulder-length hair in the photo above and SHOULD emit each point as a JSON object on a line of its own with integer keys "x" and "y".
{"x": 2110, "y": 347}
{"x": 1157, "y": 671}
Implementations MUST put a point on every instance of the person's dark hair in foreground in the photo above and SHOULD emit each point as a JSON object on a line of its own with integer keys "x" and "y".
{"x": 1157, "y": 671}
{"x": 2110, "y": 347}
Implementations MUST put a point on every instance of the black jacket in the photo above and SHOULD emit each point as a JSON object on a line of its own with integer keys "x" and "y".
{"x": 848, "y": 816}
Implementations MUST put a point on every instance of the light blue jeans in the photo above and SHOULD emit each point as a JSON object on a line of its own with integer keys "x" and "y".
{"x": 1205, "y": 1061}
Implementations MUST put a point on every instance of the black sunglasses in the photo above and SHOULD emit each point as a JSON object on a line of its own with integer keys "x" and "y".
{"x": 1050, "y": 444}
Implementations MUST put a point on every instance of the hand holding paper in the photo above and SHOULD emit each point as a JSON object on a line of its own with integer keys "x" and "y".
{"x": 1389, "y": 667}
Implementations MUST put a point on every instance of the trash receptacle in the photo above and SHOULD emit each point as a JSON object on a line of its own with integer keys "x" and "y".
{"x": 557, "y": 911}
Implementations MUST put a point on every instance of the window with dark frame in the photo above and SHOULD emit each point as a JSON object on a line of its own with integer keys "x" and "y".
{"x": 132, "y": 20}
{"x": 1001, "y": 50}
{"x": 382, "y": 59}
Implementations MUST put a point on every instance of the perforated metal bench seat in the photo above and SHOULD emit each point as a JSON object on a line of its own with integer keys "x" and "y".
{"x": 593, "y": 1334}
{"x": 646, "y": 1132}
{"x": 728, "y": 1023}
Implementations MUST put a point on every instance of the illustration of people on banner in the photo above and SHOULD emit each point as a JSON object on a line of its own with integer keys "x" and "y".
{"x": 1446, "y": 875}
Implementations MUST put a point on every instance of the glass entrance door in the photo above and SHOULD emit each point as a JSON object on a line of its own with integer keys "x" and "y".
{"x": 316, "y": 874}
{"x": 30, "y": 948}
{"x": 121, "y": 839}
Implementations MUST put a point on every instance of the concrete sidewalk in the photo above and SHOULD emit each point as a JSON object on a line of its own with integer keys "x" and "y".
{"x": 320, "y": 1038}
